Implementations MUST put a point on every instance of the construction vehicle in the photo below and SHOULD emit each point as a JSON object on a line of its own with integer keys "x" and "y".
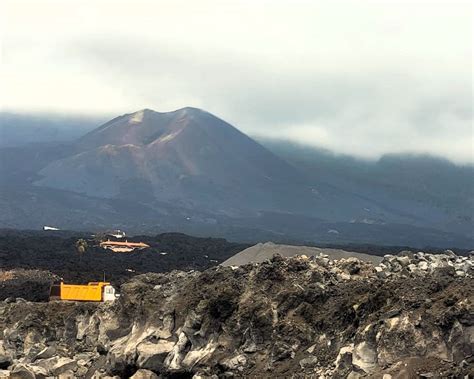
{"x": 93, "y": 291}
{"x": 123, "y": 246}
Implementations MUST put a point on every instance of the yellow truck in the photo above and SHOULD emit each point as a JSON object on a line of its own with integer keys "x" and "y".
{"x": 93, "y": 291}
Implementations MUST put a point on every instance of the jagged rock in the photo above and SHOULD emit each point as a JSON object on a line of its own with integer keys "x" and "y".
{"x": 47, "y": 352}
{"x": 56, "y": 365}
{"x": 101, "y": 375}
{"x": 403, "y": 260}
{"x": 285, "y": 315}
{"x": 69, "y": 374}
{"x": 395, "y": 266}
{"x": 176, "y": 356}
{"x": 144, "y": 374}
{"x": 151, "y": 355}
{"x": 364, "y": 357}
{"x": 450, "y": 253}
{"x": 62, "y": 365}
{"x": 351, "y": 265}
{"x": 412, "y": 267}
{"x": 236, "y": 363}
{"x": 195, "y": 356}
{"x": 281, "y": 351}
{"x": 426, "y": 375}
{"x": 343, "y": 362}
{"x": 321, "y": 259}
{"x": 249, "y": 346}
{"x": 308, "y": 362}
{"x": 344, "y": 276}
{"x": 5, "y": 361}
{"x": 84, "y": 358}
{"x": 47, "y": 364}
{"x": 24, "y": 371}
{"x": 33, "y": 341}
{"x": 81, "y": 370}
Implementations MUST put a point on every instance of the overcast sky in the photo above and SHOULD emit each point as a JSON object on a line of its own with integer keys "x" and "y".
{"x": 358, "y": 77}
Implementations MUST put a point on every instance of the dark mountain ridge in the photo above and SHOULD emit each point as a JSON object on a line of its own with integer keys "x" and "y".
{"x": 190, "y": 171}
{"x": 187, "y": 156}
{"x": 431, "y": 187}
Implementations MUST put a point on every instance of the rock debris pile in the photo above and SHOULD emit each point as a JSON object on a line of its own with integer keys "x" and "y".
{"x": 410, "y": 316}
{"x": 425, "y": 264}
{"x": 30, "y": 285}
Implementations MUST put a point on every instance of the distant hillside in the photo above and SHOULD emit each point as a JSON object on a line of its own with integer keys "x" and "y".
{"x": 190, "y": 171}
{"x": 431, "y": 187}
{"x": 22, "y": 129}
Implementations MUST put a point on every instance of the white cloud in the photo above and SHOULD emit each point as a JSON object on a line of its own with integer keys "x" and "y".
{"x": 359, "y": 77}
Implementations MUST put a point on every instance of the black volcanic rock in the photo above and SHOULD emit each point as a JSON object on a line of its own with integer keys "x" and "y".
{"x": 31, "y": 285}
{"x": 23, "y": 253}
{"x": 285, "y": 317}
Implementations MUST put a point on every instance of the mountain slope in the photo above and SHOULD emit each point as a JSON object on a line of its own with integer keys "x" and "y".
{"x": 190, "y": 171}
{"x": 433, "y": 190}
{"x": 188, "y": 156}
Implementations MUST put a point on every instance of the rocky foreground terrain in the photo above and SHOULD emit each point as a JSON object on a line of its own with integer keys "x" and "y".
{"x": 410, "y": 316}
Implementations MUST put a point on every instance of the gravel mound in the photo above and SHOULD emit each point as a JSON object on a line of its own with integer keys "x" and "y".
{"x": 263, "y": 251}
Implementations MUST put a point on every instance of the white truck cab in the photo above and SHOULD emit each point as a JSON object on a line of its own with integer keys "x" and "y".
{"x": 109, "y": 293}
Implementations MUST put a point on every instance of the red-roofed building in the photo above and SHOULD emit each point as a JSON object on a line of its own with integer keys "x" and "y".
{"x": 123, "y": 246}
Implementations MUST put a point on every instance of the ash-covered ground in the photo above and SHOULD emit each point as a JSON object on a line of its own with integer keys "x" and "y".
{"x": 410, "y": 316}
{"x": 56, "y": 253}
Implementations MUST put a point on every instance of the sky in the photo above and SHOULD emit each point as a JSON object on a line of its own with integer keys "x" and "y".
{"x": 358, "y": 77}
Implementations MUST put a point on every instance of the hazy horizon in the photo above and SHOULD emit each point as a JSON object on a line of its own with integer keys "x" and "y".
{"x": 358, "y": 78}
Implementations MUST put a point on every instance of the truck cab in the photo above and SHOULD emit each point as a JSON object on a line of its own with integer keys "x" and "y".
{"x": 108, "y": 293}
